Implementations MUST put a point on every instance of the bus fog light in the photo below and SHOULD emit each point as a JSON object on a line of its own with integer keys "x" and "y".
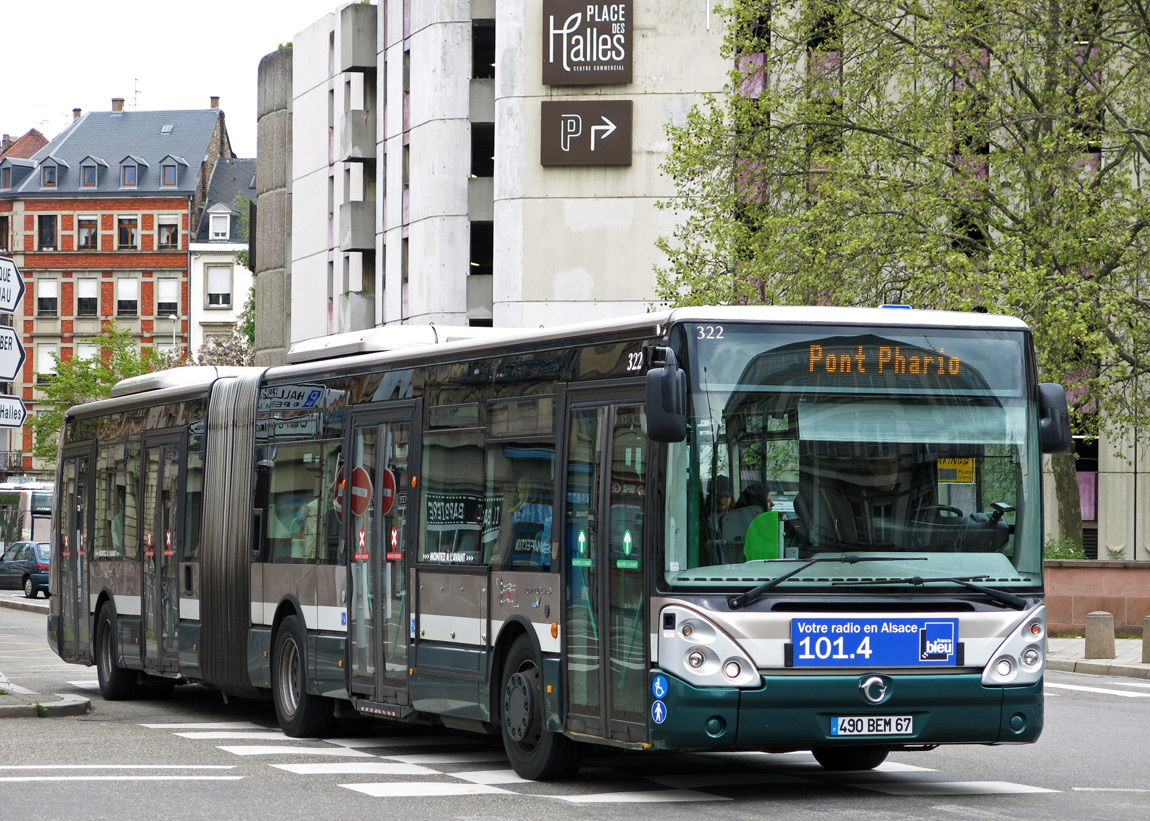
{"x": 1035, "y": 629}
{"x": 1003, "y": 667}
{"x": 732, "y": 669}
{"x": 696, "y": 658}
{"x": 1031, "y": 656}
{"x": 687, "y": 630}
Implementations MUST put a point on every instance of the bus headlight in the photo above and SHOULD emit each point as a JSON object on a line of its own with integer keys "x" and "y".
{"x": 1021, "y": 658}
{"x": 694, "y": 648}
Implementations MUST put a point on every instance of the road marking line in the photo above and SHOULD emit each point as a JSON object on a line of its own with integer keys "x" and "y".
{"x": 447, "y": 758}
{"x": 1102, "y": 690}
{"x": 259, "y": 749}
{"x": 424, "y": 789}
{"x": 645, "y": 797}
{"x": 1107, "y": 789}
{"x": 258, "y": 735}
{"x": 7, "y": 779}
{"x": 949, "y": 788}
{"x": 356, "y": 768}
{"x": 206, "y": 725}
{"x": 400, "y": 741}
{"x": 117, "y": 767}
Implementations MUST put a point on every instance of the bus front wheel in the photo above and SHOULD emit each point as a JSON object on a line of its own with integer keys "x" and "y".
{"x": 535, "y": 753}
{"x": 300, "y": 714}
{"x": 116, "y": 683}
{"x": 850, "y": 758}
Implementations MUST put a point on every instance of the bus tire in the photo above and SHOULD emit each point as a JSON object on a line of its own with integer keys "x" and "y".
{"x": 535, "y": 753}
{"x": 840, "y": 759}
{"x": 300, "y": 714}
{"x": 116, "y": 683}
{"x": 30, "y": 590}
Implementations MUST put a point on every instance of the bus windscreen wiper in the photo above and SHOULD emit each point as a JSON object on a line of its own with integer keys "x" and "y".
{"x": 1001, "y": 596}
{"x": 743, "y": 599}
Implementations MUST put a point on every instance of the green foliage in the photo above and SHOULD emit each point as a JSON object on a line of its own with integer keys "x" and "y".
{"x": 77, "y": 381}
{"x": 243, "y": 205}
{"x": 1062, "y": 548}
{"x": 946, "y": 154}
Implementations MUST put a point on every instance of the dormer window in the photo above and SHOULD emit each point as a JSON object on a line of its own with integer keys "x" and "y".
{"x": 221, "y": 226}
{"x": 168, "y": 174}
{"x": 88, "y": 175}
{"x": 48, "y": 176}
{"x": 6, "y": 177}
{"x": 128, "y": 173}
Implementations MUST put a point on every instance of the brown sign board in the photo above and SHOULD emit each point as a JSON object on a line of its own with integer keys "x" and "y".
{"x": 587, "y": 43}
{"x": 585, "y": 132}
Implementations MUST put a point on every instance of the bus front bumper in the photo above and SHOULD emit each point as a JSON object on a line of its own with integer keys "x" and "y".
{"x": 795, "y": 712}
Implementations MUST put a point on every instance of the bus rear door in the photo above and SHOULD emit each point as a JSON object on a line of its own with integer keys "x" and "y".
{"x": 74, "y": 639}
{"x": 605, "y": 650}
{"x": 160, "y": 534}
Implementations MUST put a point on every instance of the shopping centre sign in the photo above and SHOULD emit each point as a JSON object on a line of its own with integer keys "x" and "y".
{"x": 587, "y": 43}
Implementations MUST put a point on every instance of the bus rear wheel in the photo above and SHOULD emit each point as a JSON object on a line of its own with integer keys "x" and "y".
{"x": 116, "y": 683}
{"x": 300, "y": 714}
{"x": 850, "y": 758}
{"x": 535, "y": 753}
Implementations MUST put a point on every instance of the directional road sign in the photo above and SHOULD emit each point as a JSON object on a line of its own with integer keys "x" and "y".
{"x": 11, "y": 285}
{"x": 11, "y": 354}
{"x": 12, "y": 412}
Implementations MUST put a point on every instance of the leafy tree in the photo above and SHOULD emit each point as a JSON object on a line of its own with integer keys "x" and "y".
{"x": 954, "y": 154}
{"x": 77, "y": 381}
{"x": 243, "y": 205}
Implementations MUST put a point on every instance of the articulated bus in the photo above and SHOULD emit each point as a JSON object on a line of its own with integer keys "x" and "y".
{"x": 769, "y": 529}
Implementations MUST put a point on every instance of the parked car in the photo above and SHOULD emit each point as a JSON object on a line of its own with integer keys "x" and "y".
{"x": 24, "y": 565}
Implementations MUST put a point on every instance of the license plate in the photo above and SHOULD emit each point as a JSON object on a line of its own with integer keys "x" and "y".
{"x": 871, "y": 725}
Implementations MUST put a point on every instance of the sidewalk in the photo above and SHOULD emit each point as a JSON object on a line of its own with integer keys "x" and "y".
{"x": 20, "y": 702}
{"x": 1069, "y": 655}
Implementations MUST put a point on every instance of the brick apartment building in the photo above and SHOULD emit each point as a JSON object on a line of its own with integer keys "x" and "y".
{"x": 99, "y": 222}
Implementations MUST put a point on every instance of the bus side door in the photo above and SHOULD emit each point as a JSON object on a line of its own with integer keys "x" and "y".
{"x": 161, "y": 531}
{"x": 605, "y": 651}
{"x": 378, "y": 508}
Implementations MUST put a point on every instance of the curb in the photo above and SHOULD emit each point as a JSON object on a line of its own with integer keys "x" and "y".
{"x": 64, "y": 705}
{"x": 29, "y": 605}
{"x": 1100, "y": 667}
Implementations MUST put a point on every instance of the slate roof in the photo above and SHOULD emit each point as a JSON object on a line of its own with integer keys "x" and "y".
{"x": 116, "y": 136}
{"x": 231, "y": 177}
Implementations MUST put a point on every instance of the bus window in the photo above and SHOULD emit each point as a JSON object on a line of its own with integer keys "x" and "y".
{"x": 453, "y": 489}
{"x": 520, "y": 491}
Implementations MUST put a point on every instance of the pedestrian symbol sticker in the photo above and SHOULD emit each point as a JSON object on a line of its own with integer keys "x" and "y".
{"x": 658, "y": 712}
{"x": 659, "y": 686}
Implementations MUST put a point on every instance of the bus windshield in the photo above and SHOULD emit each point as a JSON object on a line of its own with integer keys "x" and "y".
{"x": 913, "y": 445}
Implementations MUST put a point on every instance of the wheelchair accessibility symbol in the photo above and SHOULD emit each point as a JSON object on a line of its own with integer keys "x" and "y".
{"x": 659, "y": 686}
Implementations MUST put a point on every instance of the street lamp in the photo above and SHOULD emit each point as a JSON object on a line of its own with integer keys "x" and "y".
{"x": 174, "y": 319}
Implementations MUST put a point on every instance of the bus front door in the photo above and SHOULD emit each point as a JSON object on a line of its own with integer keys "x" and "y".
{"x": 605, "y": 650}
{"x": 375, "y": 507}
{"x": 71, "y": 596}
{"x": 159, "y": 534}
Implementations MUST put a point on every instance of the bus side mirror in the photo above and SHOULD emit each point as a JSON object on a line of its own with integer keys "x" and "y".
{"x": 666, "y": 398}
{"x": 1053, "y": 419}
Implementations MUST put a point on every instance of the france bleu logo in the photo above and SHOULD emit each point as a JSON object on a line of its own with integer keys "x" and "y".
{"x": 936, "y": 641}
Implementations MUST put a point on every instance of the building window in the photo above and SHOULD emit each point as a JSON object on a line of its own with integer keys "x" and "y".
{"x": 482, "y": 149}
{"x": 167, "y": 297}
{"x": 127, "y": 232}
{"x": 4, "y": 234}
{"x": 128, "y": 175}
{"x": 127, "y": 297}
{"x": 87, "y": 233}
{"x": 45, "y": 363}
{"x": 6, "y": 177}
{"x": 46, "y": 232}
{"x": 221, "y": 226}
{"x": 48, "y": 176}
{"x": 483, "y": 49}
{"x": 168, "y": 174}
{"x": 88, "y": 175}
{"x": 86, "y": 350}
{"x": 169, "y": 230}
{"x": 47, "y": 297}
{"x": 482, "y": 247}
{"x": 87, "y": 297}
{"x": 219, "y": 281}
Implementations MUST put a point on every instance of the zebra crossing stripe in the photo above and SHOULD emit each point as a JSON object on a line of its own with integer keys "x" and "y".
{"x": 259, "y": 749}
{"x": 424, "y": 789}
{"x": 949, "y": 788}
{"x": 356, "y": 768}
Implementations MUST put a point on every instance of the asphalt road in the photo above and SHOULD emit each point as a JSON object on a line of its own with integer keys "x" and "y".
{"x": 194, "y": 756}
